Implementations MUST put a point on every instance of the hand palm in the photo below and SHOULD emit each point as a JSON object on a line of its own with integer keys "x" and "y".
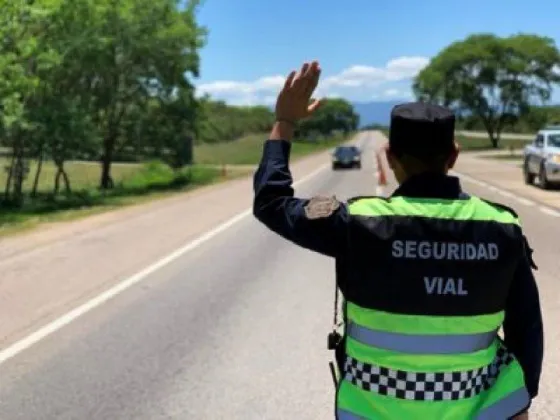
{"x": 293, "y": 102}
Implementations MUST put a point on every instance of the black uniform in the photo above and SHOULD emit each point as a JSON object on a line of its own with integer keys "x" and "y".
{"x": 326, "y": 231}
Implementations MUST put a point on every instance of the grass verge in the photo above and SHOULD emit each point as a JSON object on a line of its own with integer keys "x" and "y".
{"x": 475, "y": 144}
{"x": 134, "y": 183}
{"x": 480, "y": 144}
{"x": 248, "y": 150}
{"x": 150, "y": 181}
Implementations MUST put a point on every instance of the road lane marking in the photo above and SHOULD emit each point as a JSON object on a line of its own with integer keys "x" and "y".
{"x": 55, "y": 325}
{"x": 549, "y": 211}
{"x": 505, "y": 193}
{"x": 525, "y": 201}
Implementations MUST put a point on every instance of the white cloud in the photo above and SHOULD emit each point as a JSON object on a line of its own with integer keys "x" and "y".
{"x": 356, "y": 83}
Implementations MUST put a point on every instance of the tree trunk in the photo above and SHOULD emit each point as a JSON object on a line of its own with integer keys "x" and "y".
{"x": 61, "y": 172}
{"x": 66, "y": 180}
{"x": 56, "y": 182}
{"x": 37, "y": 173}
{"x": 19, "y": 177}
{"x": 106, "y": 160}
{"x": 490, "y": 129}
{"x": 8, "y": 188}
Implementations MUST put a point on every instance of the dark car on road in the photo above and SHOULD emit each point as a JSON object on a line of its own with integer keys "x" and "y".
{"x": 347, "y": 157}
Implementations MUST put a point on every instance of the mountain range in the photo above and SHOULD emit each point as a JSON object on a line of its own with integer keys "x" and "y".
{"x": 380, "y": 112}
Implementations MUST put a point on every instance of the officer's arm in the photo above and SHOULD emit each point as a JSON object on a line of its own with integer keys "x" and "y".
{"x": 316, "y": 224}
{"x": 523, "y": 327}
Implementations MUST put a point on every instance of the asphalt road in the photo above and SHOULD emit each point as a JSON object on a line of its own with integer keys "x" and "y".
{"x": 235, "y": 329}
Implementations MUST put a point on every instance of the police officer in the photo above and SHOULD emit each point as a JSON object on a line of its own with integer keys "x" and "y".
{"x": 429, "y": 275}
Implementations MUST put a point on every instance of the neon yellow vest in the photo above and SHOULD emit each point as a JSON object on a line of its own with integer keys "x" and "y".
{"x": 402, "y": 367}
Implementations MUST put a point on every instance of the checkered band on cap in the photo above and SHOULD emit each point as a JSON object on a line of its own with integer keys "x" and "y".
{"x": 434, "y": 386}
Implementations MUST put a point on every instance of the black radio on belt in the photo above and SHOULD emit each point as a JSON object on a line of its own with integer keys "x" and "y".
{"x": 333, "y": 340}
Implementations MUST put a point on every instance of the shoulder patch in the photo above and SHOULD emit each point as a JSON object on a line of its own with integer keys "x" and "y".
{"x": 321, "y": 206}
{"x": 500, "y": 206}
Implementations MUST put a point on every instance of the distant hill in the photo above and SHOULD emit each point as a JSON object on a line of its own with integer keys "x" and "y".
{"x": 375, "y": 112}
{"x": 380, "y": 112}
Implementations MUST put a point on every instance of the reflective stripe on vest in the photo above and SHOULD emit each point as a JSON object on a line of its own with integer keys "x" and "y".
{"x": 430, "y": 386}
{"x": 502, "y": 409}
{"x": 421, "y": 343}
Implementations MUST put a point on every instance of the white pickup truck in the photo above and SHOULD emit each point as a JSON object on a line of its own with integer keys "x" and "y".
{"x": 541, "y": 158}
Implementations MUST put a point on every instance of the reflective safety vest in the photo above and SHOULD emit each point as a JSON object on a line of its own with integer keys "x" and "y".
{"x": 425, "y": 283}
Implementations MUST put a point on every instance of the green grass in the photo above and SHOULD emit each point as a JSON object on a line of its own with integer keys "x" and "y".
{"x": 482, "y": 144}
{"x": 248, "y": 150}
{"x": 134, "y": 183}
{"x": 139, "y": 183}
{"x": 82, "y": 175}
{"x": 475, "y": 144}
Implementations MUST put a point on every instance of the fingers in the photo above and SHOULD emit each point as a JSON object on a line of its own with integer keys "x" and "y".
{"x": 289, "y": 79}
{"x": 314, "y": 73}
{"x": 313, "y": 106}
{"x": 301, "y": 79}
{"x": 305, "y": 81}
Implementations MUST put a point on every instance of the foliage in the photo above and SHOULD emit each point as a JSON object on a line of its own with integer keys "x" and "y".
{"x": 378, "y": 127}
{"x": 334, "y": 114}
{"x": 536, "y": 118}
{"x": 108, "y": 81}
{"x": 221, "y": 122}
{"x": 74, "y": 73}
{"x": 491, "y": 78}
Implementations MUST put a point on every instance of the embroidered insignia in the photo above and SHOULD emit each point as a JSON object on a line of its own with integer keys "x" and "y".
{"x": 321, "y": 206}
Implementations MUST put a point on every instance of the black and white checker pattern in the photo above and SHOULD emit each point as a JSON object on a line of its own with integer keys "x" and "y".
{"x": 425, "y": 386}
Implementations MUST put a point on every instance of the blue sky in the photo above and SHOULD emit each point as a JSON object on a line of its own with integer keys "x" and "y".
{"x": 368, "y": 49}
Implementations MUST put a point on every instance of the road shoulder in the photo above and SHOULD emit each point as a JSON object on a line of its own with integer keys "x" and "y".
{"x": 51, "y": 270}
{"x": 505, "y": 178}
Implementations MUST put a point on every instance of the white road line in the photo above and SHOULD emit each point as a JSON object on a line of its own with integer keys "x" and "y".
{"x": 125, "y": 284}
{"x": 505, "y": 193}
{"x": 525, "y": 201}
{"x": 469, "y": 179}
{"x": 549, "y": 211}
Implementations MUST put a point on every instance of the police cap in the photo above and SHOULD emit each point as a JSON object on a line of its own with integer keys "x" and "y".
{"x": 420, "y": 129}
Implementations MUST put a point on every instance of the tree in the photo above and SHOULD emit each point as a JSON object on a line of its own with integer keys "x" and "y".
{"x": 334, "y": 114}
{"x": 166, "y": 127}
{"x": 221, "y": 122}
{"x": 495, "y": 79}
{"x": 135, "y": 50}
{"x": 25, "y": 56}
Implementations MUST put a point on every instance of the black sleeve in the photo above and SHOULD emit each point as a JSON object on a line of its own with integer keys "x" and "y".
{"x": 276, "y": 207}
{"x": 523, "y": 326}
